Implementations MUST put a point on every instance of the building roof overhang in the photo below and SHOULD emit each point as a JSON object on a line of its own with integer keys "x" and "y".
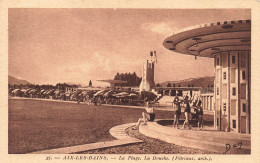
{"x": 113, "y": 81}
{"x": 208, "y": 39}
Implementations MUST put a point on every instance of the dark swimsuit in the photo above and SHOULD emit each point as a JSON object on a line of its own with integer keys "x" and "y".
{"x": 152, "y": 117}
{"x": 178, "y": 105}
{"x": 178, "y": 111}
{"x": 187, "y": 108}
{"x": 200, "y": 108}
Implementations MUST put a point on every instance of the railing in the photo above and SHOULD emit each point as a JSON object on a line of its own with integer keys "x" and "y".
{"x": 207, "y": 102}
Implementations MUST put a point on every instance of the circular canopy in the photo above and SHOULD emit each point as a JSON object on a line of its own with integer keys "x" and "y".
{"x": 208, "y": 39}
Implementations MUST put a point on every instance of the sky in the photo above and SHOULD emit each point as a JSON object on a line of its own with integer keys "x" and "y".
{"x": 48, "y": 46}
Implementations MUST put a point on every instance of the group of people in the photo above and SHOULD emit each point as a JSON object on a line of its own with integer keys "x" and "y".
{"x": 188, "y": 103}
{"x": 193, "y": 102}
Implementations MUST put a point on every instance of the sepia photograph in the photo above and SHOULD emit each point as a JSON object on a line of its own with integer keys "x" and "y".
{"x": 129, "y": 81}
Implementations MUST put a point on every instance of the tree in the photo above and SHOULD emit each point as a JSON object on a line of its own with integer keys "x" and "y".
{"x": 116, "y": 77}
{"x": 131, "y": 79}
{"x": 37, "y": 87}
{"x": 169, "y": 85}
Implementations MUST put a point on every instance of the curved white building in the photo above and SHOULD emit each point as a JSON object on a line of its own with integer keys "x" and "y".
{"x": 229, "y": 43}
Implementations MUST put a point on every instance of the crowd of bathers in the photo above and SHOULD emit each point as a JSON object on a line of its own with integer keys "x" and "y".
{"x": 192, "y": 108}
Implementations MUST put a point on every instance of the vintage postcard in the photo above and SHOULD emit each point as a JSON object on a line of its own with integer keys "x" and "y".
{"x": 129, "y": 82}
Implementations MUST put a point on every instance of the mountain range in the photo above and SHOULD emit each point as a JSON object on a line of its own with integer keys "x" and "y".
{"x": 204, "y": 82}
{"x": 12, "y": 80}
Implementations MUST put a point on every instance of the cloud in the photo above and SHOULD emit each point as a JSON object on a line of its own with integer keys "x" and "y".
{"x": 97, "y": 62}
{"x": 99, "y": 65}
{"x": 160, "y": 28}
{"x": 101, "y": 61}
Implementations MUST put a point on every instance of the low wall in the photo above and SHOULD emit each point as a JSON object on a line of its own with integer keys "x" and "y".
{"x": 168, "y": 122}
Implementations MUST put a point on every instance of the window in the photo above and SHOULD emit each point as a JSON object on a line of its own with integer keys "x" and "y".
{"x": 218, "y": 105}
{"x": 233, "y": 107}
{"x": 234, "y": 123}
{"x": 224, "y": 75}
{"x": 218, "y": 91}
{"x": 233, "y": 75}
{"x": 244, "y": 107}
{"x": 233, "y": 59}
{"x": 167, "y": 92}
{"x": 218, "y": 75}
{"x": 243, "y": 91}
{"x": 224, "y": 106}
{"x": 179, "y": 92}
{"x": 234, "y": 91}
{"x": 224, "y": 59}
{"x": 224, "y": 91}
{"x": 243, "y": 75}
{"x": 217, "y": 60}
{"x": 243, "y": 59}
{"x": 173, "y": 93}
{"x": 217, "y": 121}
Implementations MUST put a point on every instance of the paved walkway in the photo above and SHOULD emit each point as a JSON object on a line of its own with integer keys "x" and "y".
{"x": 117, "y": 132}
{"x": 207, "y": 139}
